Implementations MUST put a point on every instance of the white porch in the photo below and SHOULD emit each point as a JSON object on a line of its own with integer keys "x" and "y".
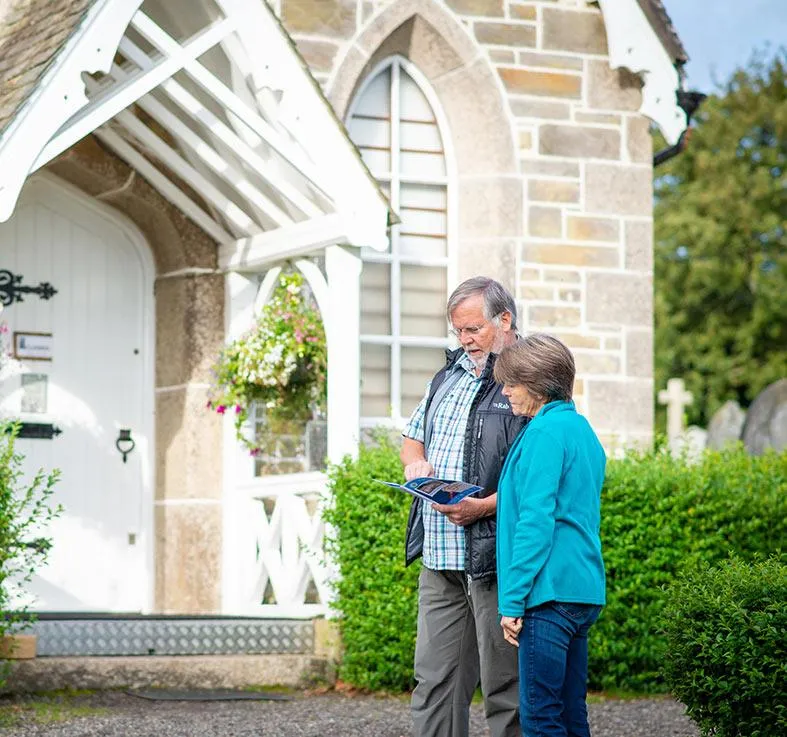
{"x": 212, "y": 106}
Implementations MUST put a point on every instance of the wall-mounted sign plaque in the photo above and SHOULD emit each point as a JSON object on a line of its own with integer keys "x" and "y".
{"x": 33, "y": 346}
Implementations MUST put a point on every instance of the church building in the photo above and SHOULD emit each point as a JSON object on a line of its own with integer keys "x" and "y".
{"x": 161, "y": 163}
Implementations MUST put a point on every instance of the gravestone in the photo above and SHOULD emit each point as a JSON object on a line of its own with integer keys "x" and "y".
{"x": 766, "y": 420}
{"x": 676, "y": 398}
{"x": 726, "y": 425}
{"x": 689, "y": 444}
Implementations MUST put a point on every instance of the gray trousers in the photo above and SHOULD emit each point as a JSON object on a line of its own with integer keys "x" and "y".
{"x": 459, "y": 641}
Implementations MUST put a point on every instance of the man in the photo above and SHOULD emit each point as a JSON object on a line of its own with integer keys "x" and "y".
{"x": 462, "y": 429}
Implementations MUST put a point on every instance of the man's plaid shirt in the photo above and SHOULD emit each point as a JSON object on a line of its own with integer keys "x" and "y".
{"x": 444, "y": 542}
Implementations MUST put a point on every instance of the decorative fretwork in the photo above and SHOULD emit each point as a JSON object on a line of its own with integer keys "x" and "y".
{"x": 280, "y": 536}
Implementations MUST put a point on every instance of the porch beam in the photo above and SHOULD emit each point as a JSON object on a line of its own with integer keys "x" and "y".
{"x": 222, "y": 131}
{"x": 169, "y": 157}
{"x": 119, "y": 97}
{"x": 296, "y": 240}
{"x": 357, "y": 195}
{"x": 230, "y": 101}
{"x": 165, "y": 187}
{"x": 209, "y": 156}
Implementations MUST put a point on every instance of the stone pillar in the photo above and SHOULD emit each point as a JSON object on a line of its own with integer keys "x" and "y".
{"x": 188, "y": 511}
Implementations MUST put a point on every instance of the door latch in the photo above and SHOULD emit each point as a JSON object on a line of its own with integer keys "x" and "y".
{"x": 125, "y": 443}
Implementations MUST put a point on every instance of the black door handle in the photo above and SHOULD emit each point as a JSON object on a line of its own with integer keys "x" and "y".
{"x": 125, "y": 443}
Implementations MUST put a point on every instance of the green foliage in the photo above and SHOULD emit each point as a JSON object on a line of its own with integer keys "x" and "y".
{"x": 25, "y": 511}
{"x": 659, "y": 516}
{"x": 280, "y": 364}
{"x": 726, "y": 658}
{"x": 47, "y": 709}
{"x": 377, "y": 596}
{"x": 721, "y": 245}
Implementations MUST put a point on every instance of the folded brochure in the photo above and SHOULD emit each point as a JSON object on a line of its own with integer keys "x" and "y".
{"x": 437, "y": 491}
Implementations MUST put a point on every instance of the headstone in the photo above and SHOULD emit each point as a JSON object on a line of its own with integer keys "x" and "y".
{"x": 766, "y": 420}
{"x": 690, "y": 443}
{"x": 676, "y": 398}
{"x": 726, "y": 425}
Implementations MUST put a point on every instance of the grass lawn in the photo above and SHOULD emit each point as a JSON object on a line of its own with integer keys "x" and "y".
{"x": 45, "y": 708}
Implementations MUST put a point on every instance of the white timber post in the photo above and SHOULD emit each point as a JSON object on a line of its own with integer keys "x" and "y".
{"x": 237, "y": 544}
{"x": 343, "y": 330}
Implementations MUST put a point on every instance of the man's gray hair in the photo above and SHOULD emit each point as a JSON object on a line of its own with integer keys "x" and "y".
{"x": 497, "y": 299}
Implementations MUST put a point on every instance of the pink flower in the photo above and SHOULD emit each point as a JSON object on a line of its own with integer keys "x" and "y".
{"x": 254, "y": 452}
{"x": 221, "y": 409}
{"x": 238, "y": 409}
{"x": 298, "y": 336}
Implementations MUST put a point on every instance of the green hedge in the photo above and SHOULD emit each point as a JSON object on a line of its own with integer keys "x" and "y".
{"x": 659, "y": 515}
{"x": 377, "y": 595}
{"x": 26, "y": 510}
{"x": 726, "y": 651}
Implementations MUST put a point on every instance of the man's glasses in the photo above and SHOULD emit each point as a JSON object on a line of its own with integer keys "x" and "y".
{"x": 473, "y": 329}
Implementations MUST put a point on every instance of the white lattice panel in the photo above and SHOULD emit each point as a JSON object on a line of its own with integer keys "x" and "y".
{"x": 278, "y": 543}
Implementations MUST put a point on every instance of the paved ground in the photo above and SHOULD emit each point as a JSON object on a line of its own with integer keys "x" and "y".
{"x": 328, "y": 715}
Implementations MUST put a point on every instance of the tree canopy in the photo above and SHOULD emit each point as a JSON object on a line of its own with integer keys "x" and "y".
{"x": 721, "y": 244}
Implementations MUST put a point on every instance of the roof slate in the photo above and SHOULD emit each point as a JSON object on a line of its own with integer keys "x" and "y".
{"x": 659, "y": 19}
{"x": 32, "y": 32}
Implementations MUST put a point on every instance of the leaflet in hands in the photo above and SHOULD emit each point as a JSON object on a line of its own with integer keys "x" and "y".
{"x": 437, "y": 491}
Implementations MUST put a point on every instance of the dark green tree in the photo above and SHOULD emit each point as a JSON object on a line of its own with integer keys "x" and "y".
{"x": 721, "y": 244}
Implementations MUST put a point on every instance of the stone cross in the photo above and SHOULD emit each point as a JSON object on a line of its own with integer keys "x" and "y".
{"x": 676, "y": 398}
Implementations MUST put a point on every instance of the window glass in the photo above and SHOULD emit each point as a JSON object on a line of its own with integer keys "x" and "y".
{"x": 403, "y": 291}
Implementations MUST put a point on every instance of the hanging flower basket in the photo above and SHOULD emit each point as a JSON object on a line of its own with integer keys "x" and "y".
{"x": 279, "y": 365}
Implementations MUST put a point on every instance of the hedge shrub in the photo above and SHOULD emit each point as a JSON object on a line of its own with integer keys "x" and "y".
{"x": 376, "y": 595}
{"x": 26, "y": 510}
{"x": 726, "y": 654}
{"x": 659, "y": 516}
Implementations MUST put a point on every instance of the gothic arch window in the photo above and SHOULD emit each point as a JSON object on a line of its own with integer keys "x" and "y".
{"x": 396, "y": 122}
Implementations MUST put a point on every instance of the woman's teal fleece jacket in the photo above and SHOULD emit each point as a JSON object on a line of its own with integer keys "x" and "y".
{"x": 549, "y": 513}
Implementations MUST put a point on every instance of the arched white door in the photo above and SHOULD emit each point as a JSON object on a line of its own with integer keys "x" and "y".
{"x": 95, "y": 336}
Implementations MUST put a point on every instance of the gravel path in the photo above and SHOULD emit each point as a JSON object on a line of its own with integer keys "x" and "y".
{"x": 328, "y": 715}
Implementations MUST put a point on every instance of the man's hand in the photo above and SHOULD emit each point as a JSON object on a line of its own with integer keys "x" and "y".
{"x": 417, "y": 469}
{"x": 512, "y": 626}
{"x": 467, "y": 511}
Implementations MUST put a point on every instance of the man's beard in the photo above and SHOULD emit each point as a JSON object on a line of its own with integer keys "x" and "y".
{"x": 479, "y": 363}
{"x": 497, "y": 346}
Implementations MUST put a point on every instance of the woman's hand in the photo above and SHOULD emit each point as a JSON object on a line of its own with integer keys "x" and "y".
{"x": 512, "y": 626}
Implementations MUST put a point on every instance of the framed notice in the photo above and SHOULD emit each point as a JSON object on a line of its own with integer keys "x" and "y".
{"x": 33, "y": 346}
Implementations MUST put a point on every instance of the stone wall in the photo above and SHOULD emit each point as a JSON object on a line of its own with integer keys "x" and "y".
{"x": 554, "y": 167}
{"x": 189, "y": 333}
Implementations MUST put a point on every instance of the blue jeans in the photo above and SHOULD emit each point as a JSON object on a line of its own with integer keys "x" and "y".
{"x": 553, "y": 669}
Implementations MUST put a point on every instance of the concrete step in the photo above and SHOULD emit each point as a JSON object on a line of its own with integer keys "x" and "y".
{"x": 173, "y": 672}
{"x": 175, "y": 652}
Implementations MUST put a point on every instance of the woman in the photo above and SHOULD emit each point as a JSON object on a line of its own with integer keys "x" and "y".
{"x": 551, "y": 583}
